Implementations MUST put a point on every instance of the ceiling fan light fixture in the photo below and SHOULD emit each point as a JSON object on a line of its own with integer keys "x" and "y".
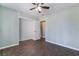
{"x": 39, "y": 8}
{"x": 36, "y": 9}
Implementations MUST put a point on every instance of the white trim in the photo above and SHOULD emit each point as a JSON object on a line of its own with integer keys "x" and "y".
{"x": 25, "y": 39}
{"x": 9, "y": 46}
{"x": 29, "y": 39}
{"x": 64, "y": 45}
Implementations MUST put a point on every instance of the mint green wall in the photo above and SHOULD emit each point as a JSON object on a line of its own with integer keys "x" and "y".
{"x": 63, "y": 28}
{"x": 9, "y": 27}
{"x": 0, "y": 28}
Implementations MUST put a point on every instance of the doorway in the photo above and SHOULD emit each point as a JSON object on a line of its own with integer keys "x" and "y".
{"x": 42, "y": 29}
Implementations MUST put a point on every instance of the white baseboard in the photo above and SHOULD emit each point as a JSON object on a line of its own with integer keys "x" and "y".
{"x": 28, "y": 39}
{"x": 24, "y": 39}
{"x": 9, "y": 46}
{"x": 64, "y": 45}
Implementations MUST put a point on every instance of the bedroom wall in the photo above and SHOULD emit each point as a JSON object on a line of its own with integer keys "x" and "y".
{"x": 63, "y": 28}
{"x": 37, "y": 29}
{"x": 9, "y": 27}
{"x": 0, "y": 27}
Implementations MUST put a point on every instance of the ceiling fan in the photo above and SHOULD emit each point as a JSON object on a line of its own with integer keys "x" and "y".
{"x": 39, "y": 6}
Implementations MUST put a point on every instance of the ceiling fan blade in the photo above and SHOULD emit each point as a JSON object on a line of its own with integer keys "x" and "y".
{"x": 45, "y": 7}
{"x": 42, "y": 3}
{"x": 32, "y": 8}
{"x": 34, "y": 3}
{"x": 37, "y": 4}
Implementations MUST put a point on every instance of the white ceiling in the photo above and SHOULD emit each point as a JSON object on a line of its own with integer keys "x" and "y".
{"x": 24, "y": 7}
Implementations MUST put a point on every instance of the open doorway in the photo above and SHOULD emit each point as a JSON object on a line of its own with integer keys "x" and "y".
{"x": 42, "y": 29}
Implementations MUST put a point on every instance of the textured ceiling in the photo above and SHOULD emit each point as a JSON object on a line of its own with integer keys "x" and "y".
{"x": 24, "y": 7}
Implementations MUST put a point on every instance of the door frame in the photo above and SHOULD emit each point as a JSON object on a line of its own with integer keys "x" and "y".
{"x": 20, "y": 25}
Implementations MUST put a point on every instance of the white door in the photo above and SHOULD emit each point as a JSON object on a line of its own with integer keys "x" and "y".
{"x": 27, "y": 29}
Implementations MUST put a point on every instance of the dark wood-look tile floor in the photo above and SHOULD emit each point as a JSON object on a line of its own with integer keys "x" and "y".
{"x": 38, "y": 48}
